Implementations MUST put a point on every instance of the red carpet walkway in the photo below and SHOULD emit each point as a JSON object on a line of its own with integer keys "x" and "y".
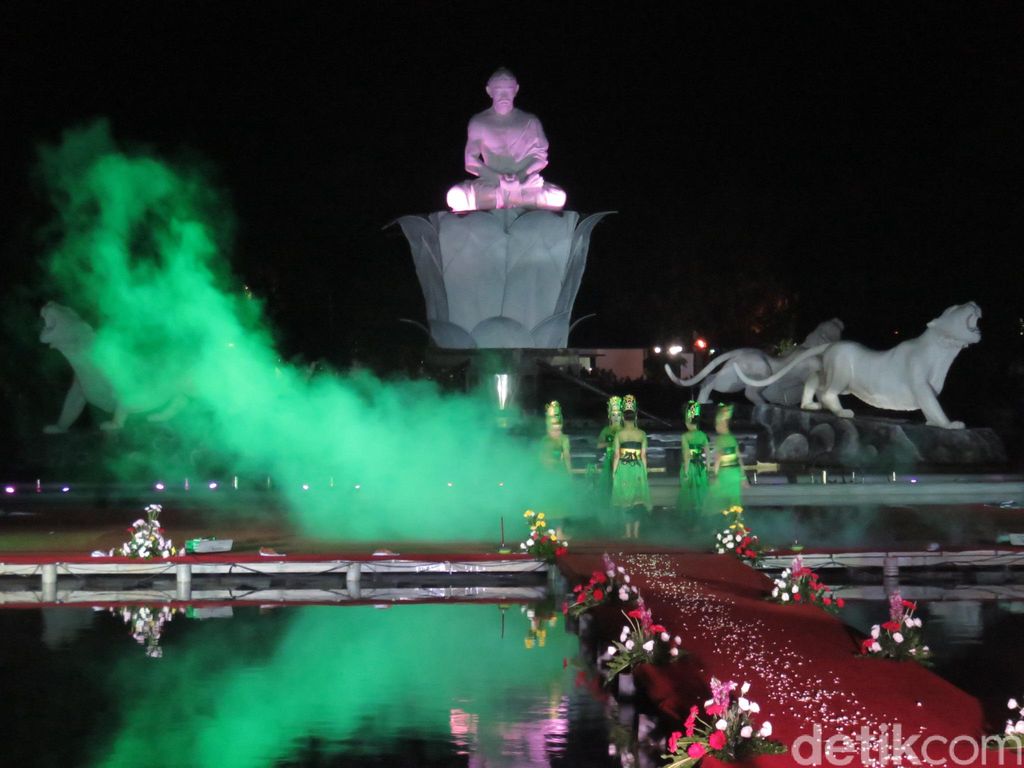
{"x": 800, "y": 661}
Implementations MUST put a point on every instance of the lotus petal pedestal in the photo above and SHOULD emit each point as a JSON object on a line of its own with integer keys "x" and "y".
{"x": 500, "y": 279}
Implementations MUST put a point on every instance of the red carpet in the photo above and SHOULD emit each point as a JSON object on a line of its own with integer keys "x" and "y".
{"x": 801, "y": 662}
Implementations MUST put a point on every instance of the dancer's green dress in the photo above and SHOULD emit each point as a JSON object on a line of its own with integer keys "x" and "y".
{"x": 553, "y": 451}
{"x": 554, "y": 446}
{"x": 725, "y": 491}
{"x": 606, "y": 442}
{"x": 629, "y": 487}
{"x": 693, "y": 488}
{"x": 607, "y": 438}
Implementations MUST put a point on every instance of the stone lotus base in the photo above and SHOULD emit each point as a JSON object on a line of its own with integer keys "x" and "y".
{"x": 790, "y": 435}
{"x": 499, "y": 279}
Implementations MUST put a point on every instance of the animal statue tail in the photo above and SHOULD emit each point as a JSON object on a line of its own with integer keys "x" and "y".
{"x": 783, "y": 370}
{"x": 704, "y": 373}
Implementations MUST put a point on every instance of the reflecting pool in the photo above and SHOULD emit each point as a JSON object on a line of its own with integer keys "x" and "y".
{"x": 431, "y": 685}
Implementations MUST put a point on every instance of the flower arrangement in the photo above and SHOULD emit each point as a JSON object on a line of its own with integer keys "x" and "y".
{"x": 1014, "y": 732}
{"x": 737, "y": 539}
{"x": 603, "y": 586}
{"x": 589, "y": 595}
{"x": 728, "y": 732}
{"x": 146, "y": 626}
{"x": 542, "y": 543}
{"x": 641, "y": 641}
{"x": 147, "y": 537}
{"x": 799, "y": 584}
{"x": 900, "y": 637}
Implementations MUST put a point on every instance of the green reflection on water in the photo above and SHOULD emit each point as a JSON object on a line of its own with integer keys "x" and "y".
{"x": 251, "y": 690}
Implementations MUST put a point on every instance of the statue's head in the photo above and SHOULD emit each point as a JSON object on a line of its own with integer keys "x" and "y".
{"x": 959, "y": 324}
{"x": 825, "y": 333}
{"x": 63, "y": 329}
{"x": 502, "y": 87}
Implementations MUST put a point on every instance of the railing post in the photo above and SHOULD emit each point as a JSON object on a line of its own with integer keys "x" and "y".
{"x": 183, "y": 578}
{"x": 353, "y": 577}
{"x": 49, "y": 579}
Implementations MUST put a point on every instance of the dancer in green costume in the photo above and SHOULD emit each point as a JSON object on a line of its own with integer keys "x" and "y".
{"x": 605, "y": 440}
{"x": 728, "y": 476}
{"x": 631, "y": 495}
{"x": 554, "y": 449}
{"x": 693, "y": 472}
{"x": 556, "y": 457}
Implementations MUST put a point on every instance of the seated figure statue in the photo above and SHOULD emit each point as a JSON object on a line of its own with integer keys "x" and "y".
{"x": 505, "y": 150}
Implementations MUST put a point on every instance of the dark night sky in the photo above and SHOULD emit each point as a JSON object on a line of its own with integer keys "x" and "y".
{"x": 862, "y": 159}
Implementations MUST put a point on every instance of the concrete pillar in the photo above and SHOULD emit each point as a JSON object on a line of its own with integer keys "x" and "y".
{"x": 49, "y": 583}
{"x": 183, "y": 577}
{"x": 890, "y": 575}
{"x": 353, "y": 577}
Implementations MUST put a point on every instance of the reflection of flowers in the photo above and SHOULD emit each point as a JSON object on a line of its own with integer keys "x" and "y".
{"x": 542, "y": 543}
{"x": 900, "y": 637}
{"x": 623, "y": 739}
{"x": 542, "y": 617}
{"x": 728, "y": 733}
{"x": 799, "y": 584}
{"x": 146, "y": 625}
{"x": 147, "y": 537}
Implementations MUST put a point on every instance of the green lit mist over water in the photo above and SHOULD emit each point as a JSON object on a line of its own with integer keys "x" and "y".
{"x": 239, "y": 694}
{"x": 141, "y": 252}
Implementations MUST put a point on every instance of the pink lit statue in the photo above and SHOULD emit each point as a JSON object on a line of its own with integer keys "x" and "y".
{"x": 506, "y": 149}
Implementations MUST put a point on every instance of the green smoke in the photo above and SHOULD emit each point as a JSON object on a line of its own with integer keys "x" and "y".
{"x": 142, "y": 254}
{"x": 240, "y": 694}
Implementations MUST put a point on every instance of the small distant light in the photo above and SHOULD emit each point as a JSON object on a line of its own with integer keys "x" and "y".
{"x": 657, "y": 350}
{"x": 357, "y": 486}
{"x": 10, "y": 488}
{"x": 305, "y": 486}
{"x": 501, "y": 485}
{"x": 213, "y": 486}
{"x": 675, "y": 349}
{"x": 913, "y": 479}
{"x": 450, "y": 484}
{"x": 159, "y": 486}
{"x": 65, "y": 489}
{"x": 711, "y": 351}
{"x": 701, "y": 343}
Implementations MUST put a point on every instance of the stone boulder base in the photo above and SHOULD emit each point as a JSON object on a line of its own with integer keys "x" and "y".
{"x": 790, "y": 435}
